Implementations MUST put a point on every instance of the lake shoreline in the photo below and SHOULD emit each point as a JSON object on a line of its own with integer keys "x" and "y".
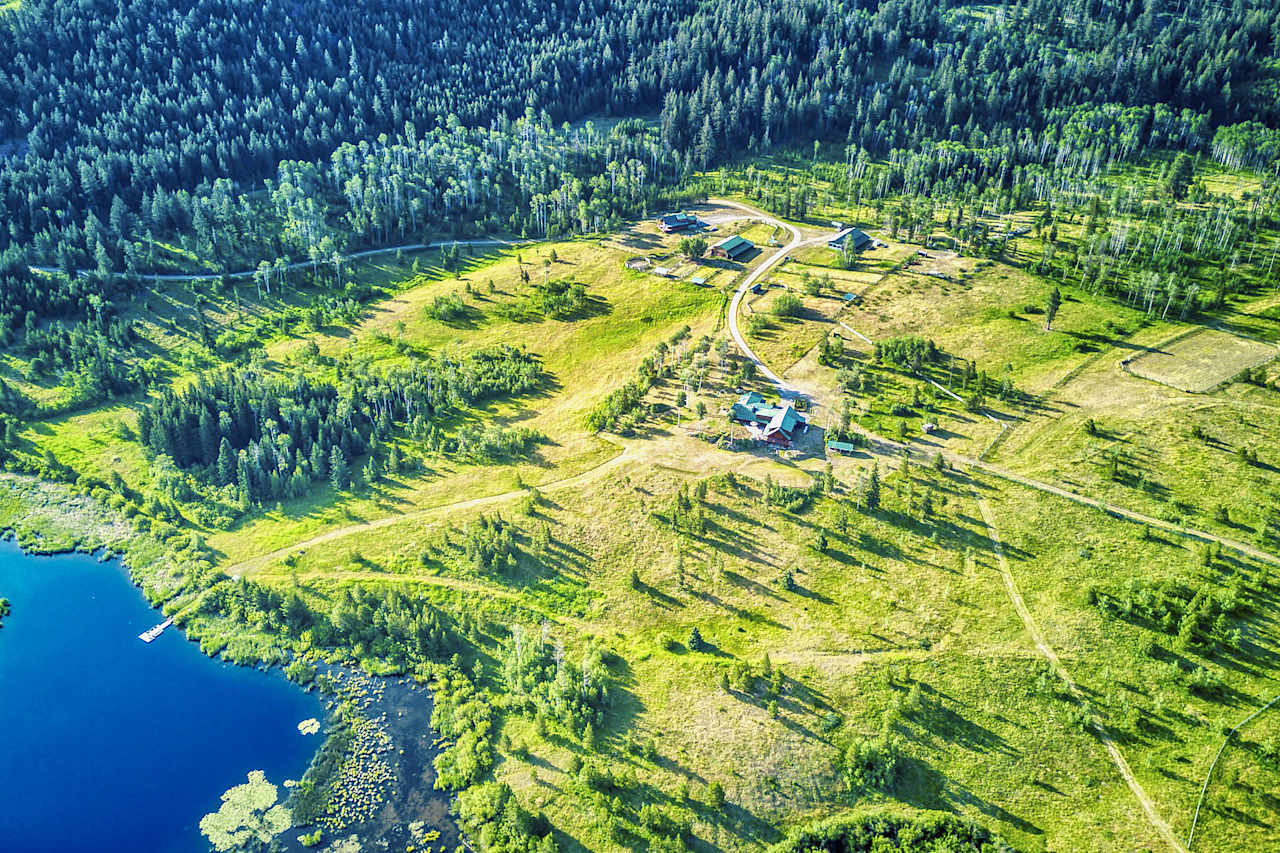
{"x": 41, "y": 525}
{"x": 141, "y": 739}
{"x": 388, "y": 778}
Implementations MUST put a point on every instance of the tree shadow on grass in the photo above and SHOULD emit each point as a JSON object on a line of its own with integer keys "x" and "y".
{"x": 747, "y": 583}
{"x": 738, "y": 612}
{"x": 812, "y": 595}
{"x": 936, "y": 718}
{"x": 921, "y": 785}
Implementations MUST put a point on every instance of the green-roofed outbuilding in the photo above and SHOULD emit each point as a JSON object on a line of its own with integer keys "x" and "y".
{"x": 732, "y": 248}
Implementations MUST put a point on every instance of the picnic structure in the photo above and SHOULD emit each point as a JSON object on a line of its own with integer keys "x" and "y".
{"x": 673, "y": 222}
{"x": 857, "y": 240}
{"x": 776, "y": 424}
{"x": 732, "y": 248}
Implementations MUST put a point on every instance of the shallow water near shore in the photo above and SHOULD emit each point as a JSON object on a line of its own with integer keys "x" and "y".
{"x": 109, "y": 743}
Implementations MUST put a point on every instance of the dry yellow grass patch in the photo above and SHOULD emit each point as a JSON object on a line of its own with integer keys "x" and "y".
{"x": 1202, "y": 361}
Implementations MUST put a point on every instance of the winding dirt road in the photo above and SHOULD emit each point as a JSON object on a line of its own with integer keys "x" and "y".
{"x": 254, "y": 563}
{"x": 297, "y": 265}
{"x": 886, "y": 446}
{"x": 797, "y": 241}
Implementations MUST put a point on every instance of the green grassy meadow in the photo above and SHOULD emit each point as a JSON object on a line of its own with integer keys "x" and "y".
{"x": 824, "y": 623}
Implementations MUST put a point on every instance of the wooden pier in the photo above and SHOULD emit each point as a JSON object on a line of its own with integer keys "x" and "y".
{"x": 151, "y": 633}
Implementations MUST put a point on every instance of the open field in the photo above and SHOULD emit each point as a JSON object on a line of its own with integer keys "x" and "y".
{"x": 993, "y": 314}
{"x": 1203, "y": 459}
{"x": 629, "y": 312}
{"x": 782, "y": 340}
{"x": 1244, "y": 782}
{"x": 1202, "y": 361}
{"x": 891, "y": 603}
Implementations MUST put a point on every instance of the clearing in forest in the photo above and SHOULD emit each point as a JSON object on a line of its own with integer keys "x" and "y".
{"x": 1202, "y": 361}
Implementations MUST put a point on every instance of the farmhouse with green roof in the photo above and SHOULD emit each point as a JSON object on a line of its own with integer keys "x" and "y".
{"x": 775, "y": 424}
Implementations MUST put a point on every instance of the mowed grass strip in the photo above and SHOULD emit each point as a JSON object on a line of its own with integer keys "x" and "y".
{"x": 1202, "y": 361}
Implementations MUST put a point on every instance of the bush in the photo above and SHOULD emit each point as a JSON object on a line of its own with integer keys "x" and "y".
{"x": 693, "y": 247}
{"x": 1204, "y": 682}
{"x": 301, "y": 672}
{"x": 901, "y": 832}
{"x": 563, "y": 300}
{"x": 906, "y": 352}
{"x": 870, "y": 764}
{"x": 787, "y": 305}
{"x": 756, "y": 323}
{"x": 447, "y": 309}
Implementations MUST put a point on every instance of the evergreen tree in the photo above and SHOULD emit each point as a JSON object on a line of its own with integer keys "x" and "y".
{"x": 226, "y": 463}
{"x": 338, "y": 474}
{"x": 1179, "y": 178}
{"x": 1051, "y": 308}
{"x": 871, "y": 498}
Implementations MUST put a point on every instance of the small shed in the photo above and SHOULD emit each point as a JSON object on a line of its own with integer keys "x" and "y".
{"x": 665, "y": 272}
{"x": 698, "y": 280}
{"x": 842, "y": 447}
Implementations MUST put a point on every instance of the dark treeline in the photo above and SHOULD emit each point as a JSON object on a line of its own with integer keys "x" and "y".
{"x": 109, "y": 101}
{"x": 271, "y": 437}
{"x": 380, "y": 622}
{"x": 94, "y": 174}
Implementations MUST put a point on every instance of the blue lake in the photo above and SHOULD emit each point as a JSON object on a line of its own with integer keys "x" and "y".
{"x": 108, "y": 743}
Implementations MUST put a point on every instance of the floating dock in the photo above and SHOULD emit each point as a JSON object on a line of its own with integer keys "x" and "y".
{"x": 151, "y": 633}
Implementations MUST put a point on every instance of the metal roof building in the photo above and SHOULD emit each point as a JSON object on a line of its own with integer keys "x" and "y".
{"x": 732, "y": 248}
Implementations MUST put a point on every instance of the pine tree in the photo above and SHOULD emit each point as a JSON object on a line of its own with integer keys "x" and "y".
{"x": 1051, "y": 309}
{"x": 715, "y": 795}
{"x": 1180, "y": 177}
{"x": 226, "y": 463}
{"x": 338, "y": 468}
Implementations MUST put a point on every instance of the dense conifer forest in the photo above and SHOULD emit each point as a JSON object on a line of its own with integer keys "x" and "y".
{"x": 178, "y": 115}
